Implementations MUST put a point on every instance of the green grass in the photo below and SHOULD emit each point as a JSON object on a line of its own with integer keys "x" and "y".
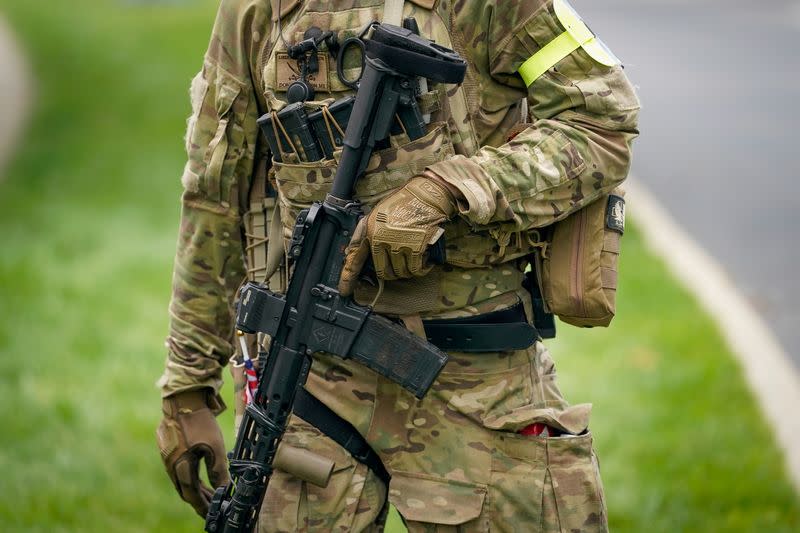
{"x": 681, "y": 443}
{"x": 88, "y": 221}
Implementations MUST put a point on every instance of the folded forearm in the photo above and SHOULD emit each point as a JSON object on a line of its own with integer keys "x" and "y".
{"x": 581, "y": 114}
{"x": 548, "y": 171}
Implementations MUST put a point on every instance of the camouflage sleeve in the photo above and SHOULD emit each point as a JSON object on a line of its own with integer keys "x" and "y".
{"x": 577, "y": 147}
{"x": 220, "y": 143}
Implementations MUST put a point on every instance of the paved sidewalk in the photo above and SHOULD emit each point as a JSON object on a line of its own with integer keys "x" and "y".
{"x": 15, "y": 93}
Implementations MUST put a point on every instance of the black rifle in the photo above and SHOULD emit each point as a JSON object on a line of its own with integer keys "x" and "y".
{"x": 313, "y": 316}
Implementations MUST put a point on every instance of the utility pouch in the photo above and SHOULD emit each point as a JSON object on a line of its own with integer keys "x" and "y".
{"x": 579, "y": 266}
{"x": 288, "y": 131}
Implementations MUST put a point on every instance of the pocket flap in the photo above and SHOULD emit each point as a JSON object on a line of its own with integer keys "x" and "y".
{"x": 573, "y": 420}
{"x": 424, "y": 499}
{"x": 226, "y": 94}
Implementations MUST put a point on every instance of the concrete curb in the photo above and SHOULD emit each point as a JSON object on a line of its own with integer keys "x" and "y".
{"x": 16, "y": 96}
{"x": 767, "y": 368}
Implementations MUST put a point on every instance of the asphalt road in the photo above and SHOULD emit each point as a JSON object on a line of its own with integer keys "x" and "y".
{"x": 720, "y": 85}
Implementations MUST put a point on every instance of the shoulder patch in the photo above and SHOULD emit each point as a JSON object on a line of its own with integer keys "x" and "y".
{"x": 615, "y": 213}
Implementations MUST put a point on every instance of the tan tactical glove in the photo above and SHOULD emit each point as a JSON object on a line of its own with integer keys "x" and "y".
{"x": 398, "y": 231}
{"x": 188, "y": 433}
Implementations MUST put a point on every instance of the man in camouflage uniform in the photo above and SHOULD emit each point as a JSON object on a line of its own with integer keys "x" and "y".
{"x": 456, "y": 458}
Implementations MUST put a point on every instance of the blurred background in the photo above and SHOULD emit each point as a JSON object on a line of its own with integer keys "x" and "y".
{"x": 89, "y": 191}
{"x": 720, "y": 84}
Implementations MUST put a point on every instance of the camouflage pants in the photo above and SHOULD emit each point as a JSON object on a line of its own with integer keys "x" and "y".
{"x": 456, "y": 459}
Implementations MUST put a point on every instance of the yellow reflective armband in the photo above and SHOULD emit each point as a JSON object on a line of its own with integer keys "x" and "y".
{"x": 576, "y": 35}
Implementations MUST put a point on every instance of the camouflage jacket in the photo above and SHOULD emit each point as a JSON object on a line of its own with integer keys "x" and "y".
{"x": 582, "y": 118}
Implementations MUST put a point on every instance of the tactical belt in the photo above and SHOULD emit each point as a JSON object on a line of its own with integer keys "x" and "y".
{"x": 319, "y": 415}
{"x": 504, "y": 330}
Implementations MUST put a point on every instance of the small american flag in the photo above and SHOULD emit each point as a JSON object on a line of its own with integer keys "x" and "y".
{"x": 251, "y": 383}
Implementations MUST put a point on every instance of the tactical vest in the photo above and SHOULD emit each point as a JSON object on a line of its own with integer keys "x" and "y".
{"x": 481, "y": 264}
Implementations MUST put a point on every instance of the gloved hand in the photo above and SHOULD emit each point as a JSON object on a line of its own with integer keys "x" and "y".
{"x": 398, "y": 231}
{"x": 188, "y": 433}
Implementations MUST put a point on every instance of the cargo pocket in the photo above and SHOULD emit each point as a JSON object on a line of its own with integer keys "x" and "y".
{"x": 300, "y": 185}
{"x": 482, "y": 396}
{"x": 215, "y": 137}
{"x": 546, "y": 484}
{"x": 424, "y": 500}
